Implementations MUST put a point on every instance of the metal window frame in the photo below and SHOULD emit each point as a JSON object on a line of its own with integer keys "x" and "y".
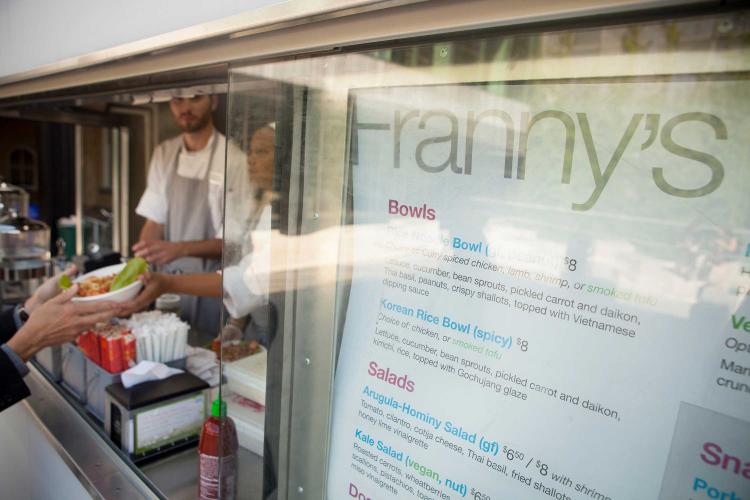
{"x": 290, "y": 29}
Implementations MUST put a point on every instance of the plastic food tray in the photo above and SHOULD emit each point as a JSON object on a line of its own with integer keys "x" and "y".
{"x": 74, "y": 371}
{"x": 97, "y": 380}
{"x": 249, "y": 422}
{"x": 247, "y": 377}
{"x": 50, "y": 360}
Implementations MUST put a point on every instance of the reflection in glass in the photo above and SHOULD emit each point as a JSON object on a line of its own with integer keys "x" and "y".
{"x": 504, "y": 248}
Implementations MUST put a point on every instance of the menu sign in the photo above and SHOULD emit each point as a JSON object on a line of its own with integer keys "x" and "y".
{"x": 549, "y": 298}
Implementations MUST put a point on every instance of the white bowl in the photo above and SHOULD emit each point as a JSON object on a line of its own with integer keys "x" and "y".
{"x": 121, "y": 295}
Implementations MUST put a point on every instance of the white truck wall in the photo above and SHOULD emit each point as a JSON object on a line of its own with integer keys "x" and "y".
{"x": 30, "y": 467}
{"x": 35, "y": 33}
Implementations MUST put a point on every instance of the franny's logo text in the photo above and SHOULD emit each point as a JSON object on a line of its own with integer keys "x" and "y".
{"x": 602, "y": 169}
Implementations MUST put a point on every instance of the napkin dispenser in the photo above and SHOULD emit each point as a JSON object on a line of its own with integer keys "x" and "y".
{"x": 155, "y": 417}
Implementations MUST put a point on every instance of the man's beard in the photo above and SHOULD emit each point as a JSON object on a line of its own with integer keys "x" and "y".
{"x": 197, "y": 125}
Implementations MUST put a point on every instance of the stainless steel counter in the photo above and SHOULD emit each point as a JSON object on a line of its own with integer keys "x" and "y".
{"x": 177, "y": 476}
{"x": 107, "y": 472}
{"x": 103, "y": 470}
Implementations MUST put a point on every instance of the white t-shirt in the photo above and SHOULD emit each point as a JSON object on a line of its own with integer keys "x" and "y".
{"x": 192, "y": 165}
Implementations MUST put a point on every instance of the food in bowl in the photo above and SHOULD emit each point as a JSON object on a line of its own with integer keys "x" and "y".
{"x": 95, "y": 285}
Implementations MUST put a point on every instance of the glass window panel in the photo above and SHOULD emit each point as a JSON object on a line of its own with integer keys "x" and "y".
{"x": 501, "y": 266}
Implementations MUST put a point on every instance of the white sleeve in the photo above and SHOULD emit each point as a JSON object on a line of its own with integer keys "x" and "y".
{"x": 153, "y": 204}
{"x": 236, "y": 180}
{"x": 239, "y": 296}
{"x": 246, "y": 286}
{"x": 216, "y": 202}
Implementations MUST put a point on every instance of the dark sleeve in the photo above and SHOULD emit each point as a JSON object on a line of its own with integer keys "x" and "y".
{"x": 7, "y": 326}
{"x": 12, "y": 387}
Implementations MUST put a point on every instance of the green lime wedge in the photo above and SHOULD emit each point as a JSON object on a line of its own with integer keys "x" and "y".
{"x": 64, "y": 282}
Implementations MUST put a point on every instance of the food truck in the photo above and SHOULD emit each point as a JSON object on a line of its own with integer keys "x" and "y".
{"x": 503, "y": 252}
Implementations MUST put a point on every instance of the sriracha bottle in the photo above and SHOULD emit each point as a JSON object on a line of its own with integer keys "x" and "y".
{"x": 217, "y": 468}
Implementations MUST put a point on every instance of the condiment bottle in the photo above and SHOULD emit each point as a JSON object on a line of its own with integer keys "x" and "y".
{"x": 217, "y": 467}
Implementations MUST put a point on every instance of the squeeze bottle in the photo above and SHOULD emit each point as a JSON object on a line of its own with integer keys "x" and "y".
{"x": 217, "y": 466}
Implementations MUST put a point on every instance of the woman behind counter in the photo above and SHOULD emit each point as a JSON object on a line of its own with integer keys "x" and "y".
{"x": 248, "y": 230}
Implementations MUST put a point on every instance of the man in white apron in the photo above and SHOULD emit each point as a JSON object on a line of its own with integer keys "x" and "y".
{"x": 183, "y": 204}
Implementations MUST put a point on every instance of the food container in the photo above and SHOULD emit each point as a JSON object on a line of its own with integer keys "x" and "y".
{"x": 247, "y": 377}
{"x": 97, "y": 381}
{"x": 23, "y": 238}
{"x": 169, "y": 303}
{"x": 13, "y": 200}
{"x": 249, "y": 419}
{"x": 74, "y": 371}
{"x": 24, "y": 255}
{"x": 50, "y": 360}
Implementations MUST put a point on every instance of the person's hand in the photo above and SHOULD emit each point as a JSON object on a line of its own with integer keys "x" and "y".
{"x": 154, "y": 284}
{"x": 159, "y": 252}
{"x": 58, "y": 321}
{"x": 48, "y": 290}
{"x": 230, "y": 332}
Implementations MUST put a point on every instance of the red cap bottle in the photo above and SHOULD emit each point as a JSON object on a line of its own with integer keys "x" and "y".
{"x": 217, "y": 469}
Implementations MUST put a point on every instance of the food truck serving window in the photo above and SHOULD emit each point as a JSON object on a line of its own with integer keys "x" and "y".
{"x": 513, "y": 266}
